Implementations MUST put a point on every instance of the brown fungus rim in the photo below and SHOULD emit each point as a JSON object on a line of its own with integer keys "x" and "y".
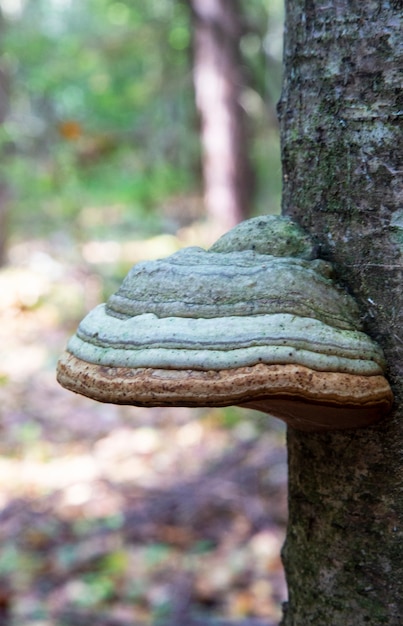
{"x": 305, "y": 399}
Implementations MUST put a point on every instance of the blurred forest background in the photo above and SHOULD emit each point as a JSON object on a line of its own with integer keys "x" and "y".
{"x": 118, "y": 516}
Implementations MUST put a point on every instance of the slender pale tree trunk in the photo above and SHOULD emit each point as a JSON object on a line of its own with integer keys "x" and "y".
{"x": 219, "y": 83}
{"x": 341, "y": 117}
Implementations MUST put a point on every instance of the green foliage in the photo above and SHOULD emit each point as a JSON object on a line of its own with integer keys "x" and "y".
{"x": 102, "y": 106}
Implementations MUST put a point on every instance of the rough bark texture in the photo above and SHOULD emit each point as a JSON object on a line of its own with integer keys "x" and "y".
{"x": 219, "y": 83}
{"x": 341, "y": 158}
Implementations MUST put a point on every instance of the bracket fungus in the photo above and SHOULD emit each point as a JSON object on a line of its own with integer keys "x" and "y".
{"x": 255, "y": 321}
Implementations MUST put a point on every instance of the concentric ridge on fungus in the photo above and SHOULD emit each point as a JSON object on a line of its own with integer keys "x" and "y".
{"x": 254, "y": 321}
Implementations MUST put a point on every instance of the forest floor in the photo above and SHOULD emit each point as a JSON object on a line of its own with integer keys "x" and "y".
{"x": 121, "y": 516}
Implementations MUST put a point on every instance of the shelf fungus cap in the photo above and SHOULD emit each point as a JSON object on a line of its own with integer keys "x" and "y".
{"x": 255, "y": 321}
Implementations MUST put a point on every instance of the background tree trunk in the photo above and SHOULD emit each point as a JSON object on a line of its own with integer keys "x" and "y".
{"x": 219, "y": 81}
{"x": 341, "y": 157}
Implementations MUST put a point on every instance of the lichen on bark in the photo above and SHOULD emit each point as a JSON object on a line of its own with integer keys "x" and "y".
{"x": 340, "y": 116}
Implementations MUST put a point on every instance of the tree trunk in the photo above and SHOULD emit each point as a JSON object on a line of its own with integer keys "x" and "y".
{"x": 219, "y": 81}
{"x": 339, "y": 113}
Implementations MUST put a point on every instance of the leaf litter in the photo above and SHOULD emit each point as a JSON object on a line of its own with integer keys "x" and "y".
{"x": 120, "y": 516}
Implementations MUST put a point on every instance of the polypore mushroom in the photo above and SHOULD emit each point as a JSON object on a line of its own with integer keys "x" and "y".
{"x": 255, "y": 321}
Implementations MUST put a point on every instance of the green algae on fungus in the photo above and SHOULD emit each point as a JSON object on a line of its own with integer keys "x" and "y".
{"x": 222, "y": 343}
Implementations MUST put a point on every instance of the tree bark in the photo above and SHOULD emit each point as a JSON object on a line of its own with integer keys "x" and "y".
{"x": 219, "y": 82}
{"x": 341, "y": 150}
